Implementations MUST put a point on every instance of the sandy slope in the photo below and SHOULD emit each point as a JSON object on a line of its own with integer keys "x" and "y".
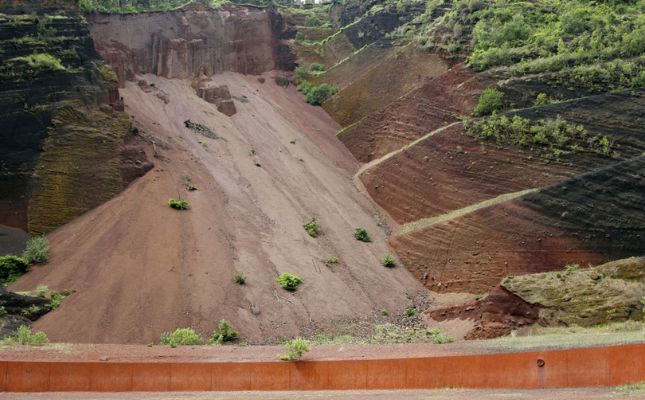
{"x": 141, "y": 268}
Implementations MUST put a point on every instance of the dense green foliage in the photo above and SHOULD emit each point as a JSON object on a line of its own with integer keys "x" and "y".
{"x": 181, "y": 337}
{"x": 133, "y": 6}
{"x": 26, "y": 337}
{"x": 311, "y": 227}
{"x": 296, "y": 348}
{"x": 41, "y": 62}
{"x": 37, "y": 250}
{"x": 529, "y": 37}
{"x": 316, "y": 95}
{"x": 490, "y": 101}
{"x": 289, "y": 281}
{"x": 361, "y": 235}
{"x": 224, "y": 333}
{"x": 549, "y": 137}
{"x": 12, "y": 267}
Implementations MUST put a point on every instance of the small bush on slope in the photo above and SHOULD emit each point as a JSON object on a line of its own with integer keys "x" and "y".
{"x": 289, "y": 281}
{"x": 178, "y": 204}
{"x": 181, "y": 337}
{"x": 361, "y": 235}
{"x": 389, "y": 261}
{"x": 37, "y": 251}
{"x": 225, "y": 333}
{"x": 239, "y": 278}
{"x": 319, "y": 94}
{"x": 26, "y": 337}
{"x": 490, "y": 101}
{"x": 312, "y": 227}
{"x": 296, "y": 348}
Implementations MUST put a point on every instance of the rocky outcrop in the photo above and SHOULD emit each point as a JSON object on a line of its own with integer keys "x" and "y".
{"x": 611, "y": 292}
{"x": 19, "y": 310}
{"x": 192, "y": 41}
{"x": 63, "y": 136}
{"x": 218, "y": 95}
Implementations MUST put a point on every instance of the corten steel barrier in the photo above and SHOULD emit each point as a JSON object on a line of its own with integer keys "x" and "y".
{"x": 599, "y": 366}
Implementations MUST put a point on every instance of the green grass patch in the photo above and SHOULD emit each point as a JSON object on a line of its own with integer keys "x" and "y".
{"x": 296, "y": 348}
{"x": 311, "y": 227}
{"x": 26, "y": 337}
{"x": 181, "y": 337}
{"x": 289, "y": 281}
{"x": 362, "y": 235}
{"x": 178, "y": 204}
{"x": 37, "y": 250}
{"x": 224, "y": 333}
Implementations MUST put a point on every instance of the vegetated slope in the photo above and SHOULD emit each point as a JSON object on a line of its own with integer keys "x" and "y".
{"x": 140, "y": 268}
{"x": 64, "y": 141}
{"x": 461, "y": 193}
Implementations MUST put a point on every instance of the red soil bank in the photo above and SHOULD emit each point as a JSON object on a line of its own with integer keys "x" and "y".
{"x": 602, "y": 366}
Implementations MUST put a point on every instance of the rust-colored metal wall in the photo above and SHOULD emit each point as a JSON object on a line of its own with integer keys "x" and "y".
{"x": 599, "y": 366}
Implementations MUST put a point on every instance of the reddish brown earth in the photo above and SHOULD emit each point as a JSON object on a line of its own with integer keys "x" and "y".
{"x": 192, "y": 40}
{"x": 384, "y": 83}
{"x": 140, "y": 268}
{"x": 439, "y": 102}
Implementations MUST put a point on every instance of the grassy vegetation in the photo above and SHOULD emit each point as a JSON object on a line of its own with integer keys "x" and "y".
{"x": 224, "y": 333}
{"x": 571, "y": 336}
{"x": 26, "y": 337}
{"x": 296, "y": 348}
{"x": 362, "y": 235}
{"x": 289, "y": 281}
{"x": 55, "y": 298}
{"x": 37, "y": 250}
{"x": 549, "y": 137}
{"x": 311, "y": 227}
{"x": 332, "y": 260}
{"x": 389, "y": 334}
{"x": 181, "y": 337}
{"x": 41, "y": 62}
{"x": 316, "y": 95}
{"x": 178, "y": 204}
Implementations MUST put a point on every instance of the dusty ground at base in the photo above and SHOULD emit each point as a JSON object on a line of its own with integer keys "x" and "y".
{"x": 140, "y": 268}
{"x": 443, "y": 394}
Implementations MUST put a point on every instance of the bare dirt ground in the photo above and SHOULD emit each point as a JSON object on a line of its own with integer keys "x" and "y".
{"x": 140, "y": 268}
{"x": 445, "y": 394}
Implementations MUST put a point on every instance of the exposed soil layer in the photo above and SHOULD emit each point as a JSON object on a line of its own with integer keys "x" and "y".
{"x": 592, "y": 218}
{"x": 439, "y": 102}
{"x": 192, "y": 41}
{"x": 384, "y": 83}
{"x": 140, "y": 268}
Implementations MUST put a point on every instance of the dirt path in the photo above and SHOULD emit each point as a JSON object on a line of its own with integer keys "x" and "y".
{"x": 140, "y": 268}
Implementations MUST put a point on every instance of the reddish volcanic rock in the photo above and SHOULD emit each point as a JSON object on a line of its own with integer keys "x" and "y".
{"x": 191, "y": 41}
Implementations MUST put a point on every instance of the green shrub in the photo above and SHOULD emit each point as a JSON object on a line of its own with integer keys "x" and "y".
{"x": 361, "y": 235}
{"x": 296, "y": 348}
{"x": 490, "y": 101}
{"x": 541, "y": 99}
{"x": 409, "y": 312}
{"x": 181, "y": 337}
{"x": 319, "y": 94}
{"x": 55, "y": 298}
{"x": 304, "y": 87}
{"x": 178, "y": 204}
{"x": 26, "y": 337}
{"x": 289, "y": 281}
{"x": 316, "y": 67}
{"x": 37, "y": 250}
{"x": 225, "y": 333}
{"x": 385, "y": 312}
{"x": 12, "y": 267}
{"x": 438, "y": 337}
{"x": 239, "y": 278}
{"x": 389, "y": 261}
{"x": 331, "y": 260}
{"x": 312, "y": 21}
{"x": 311, "y": 227}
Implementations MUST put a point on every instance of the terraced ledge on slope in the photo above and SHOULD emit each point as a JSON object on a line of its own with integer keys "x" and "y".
{"x": 424, "y": 223}
{"x": 592, "y": 218}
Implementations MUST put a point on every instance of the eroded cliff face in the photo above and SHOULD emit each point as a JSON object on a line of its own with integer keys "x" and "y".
{"x": 62, "y": 130}
{"x": 192, "y": 41}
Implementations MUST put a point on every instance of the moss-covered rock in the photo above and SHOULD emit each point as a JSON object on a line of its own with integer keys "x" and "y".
{"x": 610, "y": 292}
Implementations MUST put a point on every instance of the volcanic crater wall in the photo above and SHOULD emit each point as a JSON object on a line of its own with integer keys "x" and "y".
{"x": 192, "y": 41}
